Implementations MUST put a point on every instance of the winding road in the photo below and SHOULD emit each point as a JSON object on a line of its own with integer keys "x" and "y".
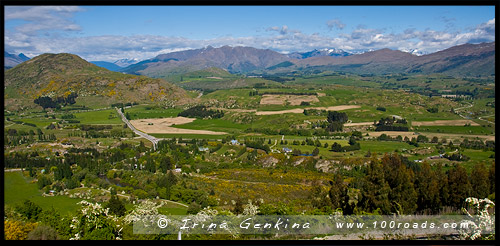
{"x": 142, "y": 134}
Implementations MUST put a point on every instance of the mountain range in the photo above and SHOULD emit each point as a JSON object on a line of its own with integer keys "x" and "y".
{"x": 116, "y": 65}
{"x": 59, "y": 74}
{"x": 462, "y": 60}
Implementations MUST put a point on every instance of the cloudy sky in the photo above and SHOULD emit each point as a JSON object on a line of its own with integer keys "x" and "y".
{"x": 109, "y": 33}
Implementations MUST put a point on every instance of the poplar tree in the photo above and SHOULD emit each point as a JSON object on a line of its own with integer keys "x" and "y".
{"x": 479, "y": 181}
{"x": 459, "y": 185}
{"x": 427, "y": 187}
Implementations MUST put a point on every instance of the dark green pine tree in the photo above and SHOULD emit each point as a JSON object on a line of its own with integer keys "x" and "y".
{"x": 116, "y": 206}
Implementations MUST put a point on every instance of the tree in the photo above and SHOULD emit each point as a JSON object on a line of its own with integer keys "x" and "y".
{"x": 491, "y": 177}
{"x": 479, "y": 181}
{"x": 335, "y": 126}
{"x": 116, "y": 206}
{"x": 337, "y": 116}
{"x": 434, "y": 139}
{"x": 338, "y": 194}
{"x": 171, "y": 179}
{"x": 375, "y": 189}
{"x": 93, "y": 222}
{"x": 238, "y": 206}
{"x": 400, "y": 180}
{"x": 193, "y": 208}
{"x": 43, "y": 232}
{"x": 336, "y": 147}
{"x": 459, "y": 186}
{"x": 315, "y": 152}
{"x": 150, "y": 165}
{"x": 29, "y": 210}
{"x": 166, "y": 164}
{"x": 427, "y": 186}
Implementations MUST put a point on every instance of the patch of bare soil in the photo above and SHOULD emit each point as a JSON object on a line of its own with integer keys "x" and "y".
{"x": 359, "y": 124}
{"x": 164, "y": 125}
{"x": 268, "y": 99}
{"x": 294, "y": 111}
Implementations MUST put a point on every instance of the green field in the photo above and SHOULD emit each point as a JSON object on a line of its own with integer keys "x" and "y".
{"x": 150, "y": 111}
{"x": 18, "y": 188}
{"x": 456, "y": 129}
{"x": 108, "y": 117}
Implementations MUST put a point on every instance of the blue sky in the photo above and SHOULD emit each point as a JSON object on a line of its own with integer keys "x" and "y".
{"x": 114, "y": 32}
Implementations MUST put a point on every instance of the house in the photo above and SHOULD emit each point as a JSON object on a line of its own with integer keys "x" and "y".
{"x": 287, "y": 150}
{"x": 235, "y": 142}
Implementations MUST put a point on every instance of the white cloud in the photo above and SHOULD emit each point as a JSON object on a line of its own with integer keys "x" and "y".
{"x": 335, "y": 23}
{"x": 54, "y": 21}
{"x": 43, "y": 18}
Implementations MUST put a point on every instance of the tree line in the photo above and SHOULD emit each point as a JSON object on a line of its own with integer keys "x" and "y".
{"x": 392, "y": 184}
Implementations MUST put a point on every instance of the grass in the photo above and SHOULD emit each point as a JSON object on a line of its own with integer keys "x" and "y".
{"x": 218, "y": 125}
{"x": 479, "y": 130}
{"x": 19, "y": 188}
{"x": 108, "y": 117}
{"x": 150, "y": 111}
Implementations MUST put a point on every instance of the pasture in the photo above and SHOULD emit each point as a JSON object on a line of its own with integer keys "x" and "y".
{"x": 18, "y": 188}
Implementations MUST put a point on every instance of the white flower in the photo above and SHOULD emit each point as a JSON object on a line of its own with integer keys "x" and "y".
{"x": 480, "y": 221}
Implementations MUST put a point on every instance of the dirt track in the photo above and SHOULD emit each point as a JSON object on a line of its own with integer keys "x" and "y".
{"x": 444, "y": 123}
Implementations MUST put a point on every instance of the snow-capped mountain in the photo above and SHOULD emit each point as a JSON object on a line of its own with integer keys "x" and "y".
{"x": 126, "y": 62}
{"x": 321, "y": 52}
{"x": 416, "y": 52}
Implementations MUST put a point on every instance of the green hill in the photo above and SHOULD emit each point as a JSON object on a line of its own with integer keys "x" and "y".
{"x": 57, "y": 75}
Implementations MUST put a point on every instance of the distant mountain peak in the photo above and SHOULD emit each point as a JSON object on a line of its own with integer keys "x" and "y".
{"x": 11, "y": 60}
{"x": 126, "y": 62}
{"x": 416, "y": 52}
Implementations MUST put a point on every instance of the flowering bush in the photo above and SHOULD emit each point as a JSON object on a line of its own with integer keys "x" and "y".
{"x": 481, "y": 221}
{"x": 250, "y": 209}
{"x": 17, "y": 230}
{"x": 143, "y": 211}
{"x": 94, "y": 222}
